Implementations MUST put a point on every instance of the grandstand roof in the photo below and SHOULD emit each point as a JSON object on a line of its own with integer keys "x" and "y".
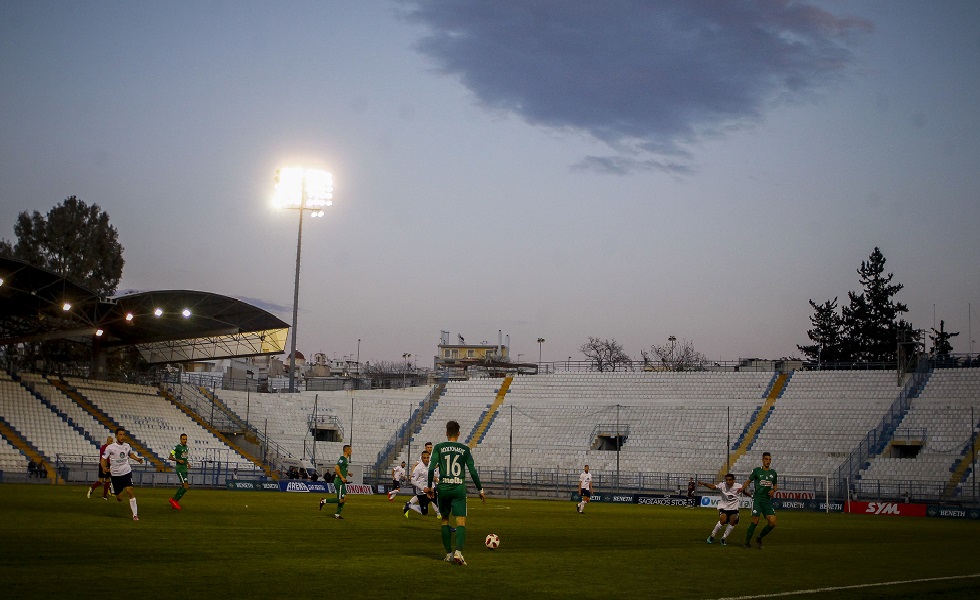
{"x": 37, "y": 305}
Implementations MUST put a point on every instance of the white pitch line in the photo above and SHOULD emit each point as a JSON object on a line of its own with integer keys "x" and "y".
{"x": 851, "y": 587}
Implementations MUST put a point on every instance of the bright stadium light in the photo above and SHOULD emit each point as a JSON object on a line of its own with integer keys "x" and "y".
{"x": 158, "y": 312}
{"x": 129, "y": 316}
{"x": 186, "y": 312}
{"x": 301, "y": 189}
{"x": 66, "y": 306}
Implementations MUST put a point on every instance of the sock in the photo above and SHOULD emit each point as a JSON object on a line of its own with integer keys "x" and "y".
{"x": 727, "y": 531}
{"x": 180, "y": 493}
{"x": 132, "y": 505}
{"x": 340, "y": 507}
{"x": 717, "y": 528}
{"x": 105, "y": 489}
{"x": 748, "y": 534}
{"x": 447, "y": 538}
{"x": 460, "y": 537}
{"x": 765, "y": 531}
{"x": 332, "y": 501}
{"x": 96, "y": 484}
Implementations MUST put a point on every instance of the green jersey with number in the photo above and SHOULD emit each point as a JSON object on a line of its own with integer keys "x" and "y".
{"x": 453, "y": 461}
{"x": 179, "y": 454}
{"x": 343, "y": 463}
{"x": 765, "y": 481}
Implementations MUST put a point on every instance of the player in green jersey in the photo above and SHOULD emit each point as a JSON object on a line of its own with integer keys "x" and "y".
{"x": 340, "y": 480}
{"x": 453, "y": 460}
{"x": 765, "y": 480}
{"x": 179, "y": 456}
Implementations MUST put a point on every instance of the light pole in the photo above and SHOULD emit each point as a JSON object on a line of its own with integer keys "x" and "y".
{"x": 406, "y": 356}
{"x": 301, "y": 189}
{"x": 357, "y": 382}
{"x": 540, "y": 342}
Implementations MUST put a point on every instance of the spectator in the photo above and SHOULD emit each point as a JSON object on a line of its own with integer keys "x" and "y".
{"x": 31, "y": 469}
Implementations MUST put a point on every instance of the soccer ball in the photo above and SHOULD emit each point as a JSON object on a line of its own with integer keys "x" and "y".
{"x": 492, "y": 541}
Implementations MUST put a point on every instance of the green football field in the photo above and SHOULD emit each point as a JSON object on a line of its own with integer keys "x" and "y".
{"x": 56, "y": 543}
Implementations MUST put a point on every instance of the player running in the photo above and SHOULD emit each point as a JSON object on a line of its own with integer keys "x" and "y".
{"x": 104, "y": 476}
{"x": 397, "y": 475}
{"x": 765, "y": 487}
{"x": 339, "y": 482}
{"x": 179, "y": 456}
{"x": 453, "y": 460}
{"x": 115, "y": 459}
{"x": 727, "y": 506}
{"x": 420, "y": 501}
{"x": 584, "y": 489}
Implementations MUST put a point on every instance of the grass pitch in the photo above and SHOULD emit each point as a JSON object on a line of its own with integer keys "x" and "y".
{"x": 56, "y": 543}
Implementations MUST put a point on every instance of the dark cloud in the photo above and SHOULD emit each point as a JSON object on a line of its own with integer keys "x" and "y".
{"x": 647, "y": 78}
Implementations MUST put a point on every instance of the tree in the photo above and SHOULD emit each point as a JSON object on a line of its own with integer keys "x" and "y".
{"x": 675, "y": 357}
{"x": 827, "y": 334}
{"x": 605, "y": 355}
{"x": 871, "y": 322}
{"x": 74, "y": 240}
{"x": 941, "y": 348}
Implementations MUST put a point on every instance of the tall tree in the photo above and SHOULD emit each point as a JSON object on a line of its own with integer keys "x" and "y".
{"x": 827, "y": 334}
{"x": 941, "y": 347}
{"x": 74, "y": 240}
{"x": 605, "y": 355}
{"x": 871, "y": 321}
{"x": 674, "y": 356}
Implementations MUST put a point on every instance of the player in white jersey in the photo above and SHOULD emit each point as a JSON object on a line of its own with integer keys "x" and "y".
{"x": 727, "y": 506}
{"x": 397, "y": 475}
{"x": 115, "y": 459}
{"x": 585, "y": 488}
{"x": 420, "y": 475}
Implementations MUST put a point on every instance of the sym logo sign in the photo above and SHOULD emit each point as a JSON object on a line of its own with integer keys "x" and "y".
{"x": 897, "y": 509}
{"x": 883, "y": 508}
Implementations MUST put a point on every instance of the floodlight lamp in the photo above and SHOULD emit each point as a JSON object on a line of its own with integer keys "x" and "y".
{"x": 288, "y": 188}
{"x": 129, "y": 316}
{"x": 66, "y": 306}
{"x": 158, "y": 312}
{"x": 98, "y": 333}
{"x": 1, "y": 280}
{"x": 186, "y": 312}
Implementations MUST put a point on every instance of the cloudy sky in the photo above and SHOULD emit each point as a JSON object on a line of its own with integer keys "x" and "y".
{"x": 556, "y": 169}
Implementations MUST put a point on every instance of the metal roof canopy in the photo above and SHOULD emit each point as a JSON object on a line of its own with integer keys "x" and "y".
{"x": 32, "y": 309}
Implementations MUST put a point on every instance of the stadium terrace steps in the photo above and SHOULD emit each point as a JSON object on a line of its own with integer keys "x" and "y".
{"x": 102, "y": 417}
{"x": 964, "y": 465}
{"x": 18, "y": 441}
{"x": 48, "y": 432}
{"x": 244, "y": 453}
{"x": 775, "y": 389}
{"x": 487, "y": 418}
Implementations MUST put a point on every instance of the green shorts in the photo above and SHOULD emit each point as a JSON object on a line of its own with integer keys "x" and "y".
{"x": 182, "y": 476}
{"x": 452, "y": 500}
{"x": 763, "y": 507}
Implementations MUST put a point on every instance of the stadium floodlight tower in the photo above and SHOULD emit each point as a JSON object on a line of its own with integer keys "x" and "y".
{"x": 304, "y": 190}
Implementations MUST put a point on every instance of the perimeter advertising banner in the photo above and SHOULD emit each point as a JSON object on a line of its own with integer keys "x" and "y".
{"x": 656, "y": 499}
{"x": 953, "y": 512}
{"x": 294, "y": 485}
{"x": 895, "y": 509}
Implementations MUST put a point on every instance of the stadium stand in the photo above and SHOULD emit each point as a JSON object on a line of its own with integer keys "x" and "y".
{"x": 934, "y": 435}
{"x": 687, "y": 423}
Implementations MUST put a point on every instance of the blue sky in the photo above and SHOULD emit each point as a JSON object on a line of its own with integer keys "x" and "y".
{"x": 626, "y": 170}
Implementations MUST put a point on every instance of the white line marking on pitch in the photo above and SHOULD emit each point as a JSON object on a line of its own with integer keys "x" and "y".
{"x": 851, "y": 587}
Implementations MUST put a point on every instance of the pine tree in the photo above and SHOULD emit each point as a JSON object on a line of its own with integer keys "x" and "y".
{"x": 871, "y": 321}
{"x": 827, "y": 334}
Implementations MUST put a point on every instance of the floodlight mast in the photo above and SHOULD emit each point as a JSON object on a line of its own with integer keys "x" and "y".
{"x": 315, "y": 190}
